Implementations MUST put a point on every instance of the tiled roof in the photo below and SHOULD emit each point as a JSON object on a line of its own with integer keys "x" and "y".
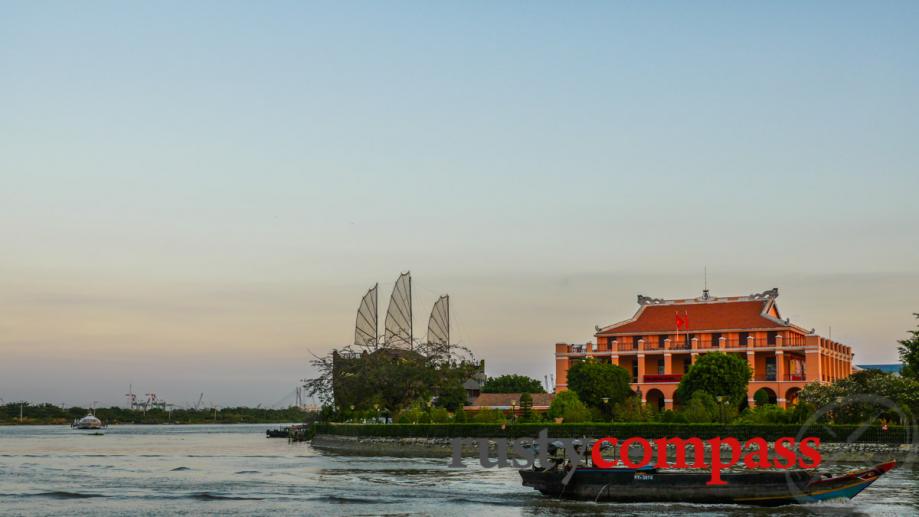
{"x": 718, "y": 314}
{"x": 503, "y": 400}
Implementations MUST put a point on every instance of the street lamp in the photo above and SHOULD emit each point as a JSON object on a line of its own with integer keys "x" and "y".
{"x": 514, "y": 409}
{"x": 605, "y": 402}
{"x": 720, "y": 399}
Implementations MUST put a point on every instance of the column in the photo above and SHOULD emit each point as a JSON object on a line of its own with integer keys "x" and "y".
{"x": 751, "y": 360}
{"x": 641, "y": 371}
{"x": 614, "y": 359}
{"x": 668, "y": 363}
{"x": 722, "y": 343}
{"x": 779, "y": 365}
{"x": 751, "y": 342}
{"x": 812, "y": 370}
{"x": 693, "y": 357}
{"x": 780, "y": 376}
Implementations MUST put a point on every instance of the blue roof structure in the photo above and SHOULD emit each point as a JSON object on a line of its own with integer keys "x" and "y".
{"x": 886, "y": 368}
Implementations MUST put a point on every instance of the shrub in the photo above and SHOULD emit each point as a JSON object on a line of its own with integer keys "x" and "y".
{"x": 631, "y": 410}
{"x": 439, "y": 415}
{"x": 489, "y": 416}
{"x": 568, "y": 406}
{"x": 460, "y": 416}
{"x": 700, "y": 409}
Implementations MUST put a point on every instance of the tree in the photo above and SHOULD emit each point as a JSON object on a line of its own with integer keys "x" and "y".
{"x": 526, "y": 405}
{"x": 909, "y": 353}
{"x": 631, "y": 410}
{"x": 701, "y": 409}
{"x": 512, "y": 383}
{"x": 594, "y": 381}
{"x": 374, "y": 377}
{"x": 568, "y": 406}
{"x": 452, "y": 395}
{"x": 848, "y": 408}
{"x": 718, "y": 374}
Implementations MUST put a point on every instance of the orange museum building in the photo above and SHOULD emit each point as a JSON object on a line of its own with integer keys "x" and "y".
{"x": 784, "y": 357}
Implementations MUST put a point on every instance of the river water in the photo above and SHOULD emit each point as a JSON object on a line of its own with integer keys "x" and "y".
{"x": 235, "y": 470}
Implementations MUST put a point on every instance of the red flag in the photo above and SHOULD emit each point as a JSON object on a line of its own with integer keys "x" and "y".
{"x": 680, "y": 321}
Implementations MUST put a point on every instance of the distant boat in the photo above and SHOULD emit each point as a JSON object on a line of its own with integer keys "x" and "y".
{"x": 87, "y": 422}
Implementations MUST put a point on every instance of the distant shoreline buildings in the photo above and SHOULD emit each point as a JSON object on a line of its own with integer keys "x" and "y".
{"x": 665, "y": 337}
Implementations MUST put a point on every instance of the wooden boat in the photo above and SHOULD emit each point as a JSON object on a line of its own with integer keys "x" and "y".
{"x": 282, "y": 432}
{"x": 772, "y": 488}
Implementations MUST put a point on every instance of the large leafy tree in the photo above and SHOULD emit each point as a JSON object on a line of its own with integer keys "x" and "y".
{"x": 594, "y": 381}
{"x": 391, "y": 379}
{"x": 512, "y": 383}
{"x": 568, "y": 406}
{"x": 909, "y": 353}
{"x": 718, "y": 374}
{"x": 857, "y": 398}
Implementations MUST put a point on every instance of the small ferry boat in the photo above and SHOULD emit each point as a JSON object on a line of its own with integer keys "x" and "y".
{"x": 87, "y": 422}
{"x": 648, "y": 484}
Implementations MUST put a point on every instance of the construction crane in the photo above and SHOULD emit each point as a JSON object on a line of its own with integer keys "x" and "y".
{"x": 198, "y": 404}
{"x": 132, "y": 398}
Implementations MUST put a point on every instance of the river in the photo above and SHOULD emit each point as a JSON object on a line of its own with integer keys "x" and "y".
{"x": 235, "y": 470}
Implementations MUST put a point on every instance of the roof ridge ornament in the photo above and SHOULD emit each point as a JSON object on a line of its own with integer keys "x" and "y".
{"x": 647, "y": 300}
{"x": 766, "y": 295}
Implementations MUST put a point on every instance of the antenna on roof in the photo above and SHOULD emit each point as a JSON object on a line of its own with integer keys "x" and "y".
{"x": 705, "y": 295}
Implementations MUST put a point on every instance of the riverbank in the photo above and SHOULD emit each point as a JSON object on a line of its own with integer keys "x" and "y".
{"x": 14, "y": 414}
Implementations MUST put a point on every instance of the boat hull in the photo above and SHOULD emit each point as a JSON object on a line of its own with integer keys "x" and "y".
{"x": 754, "y": 488}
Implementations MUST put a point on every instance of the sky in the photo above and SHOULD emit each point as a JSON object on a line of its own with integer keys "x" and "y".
{"x": 195, "y": 195}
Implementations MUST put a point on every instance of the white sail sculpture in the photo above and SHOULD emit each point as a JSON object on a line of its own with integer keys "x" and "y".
{"x": 365, "y": 328}
{"x": 398, "y": 324}
{"x": 439, "y": 322}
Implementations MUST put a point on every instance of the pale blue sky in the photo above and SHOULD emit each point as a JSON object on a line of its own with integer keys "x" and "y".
{"x": 192, "y": 194}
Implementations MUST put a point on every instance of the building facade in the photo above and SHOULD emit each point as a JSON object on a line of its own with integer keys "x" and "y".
{"x": 665, "y": 337}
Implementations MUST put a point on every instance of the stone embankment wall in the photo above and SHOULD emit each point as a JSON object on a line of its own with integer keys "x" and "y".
{"x": 442, "y": 448}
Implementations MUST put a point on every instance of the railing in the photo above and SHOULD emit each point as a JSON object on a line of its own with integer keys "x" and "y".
{"x": 734, "y": 343}
{"x": 764, "y": 378}
{"x": 660, "y": 377}
{"x": 794, "y": 376}
{"x": 680, "y": 346}
{"x": 706, "y": 345}
{"x": 625, "y": 347}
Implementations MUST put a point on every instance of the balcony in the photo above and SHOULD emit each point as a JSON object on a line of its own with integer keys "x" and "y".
{"x": 764, "y": 378}
{"x": 680, "y": 346}
{"x": 794, "y": 376}
{"x": 660, "y": 377}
